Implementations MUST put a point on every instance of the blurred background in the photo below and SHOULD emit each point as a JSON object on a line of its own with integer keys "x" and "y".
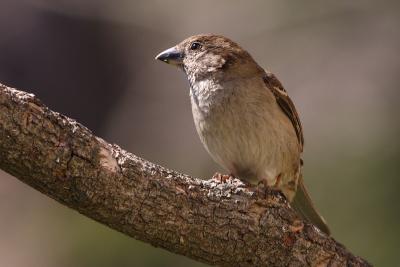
{"x": 94, "y": 61}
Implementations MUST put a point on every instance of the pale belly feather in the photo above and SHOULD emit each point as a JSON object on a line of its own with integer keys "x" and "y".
{"x": 247, "y": 133}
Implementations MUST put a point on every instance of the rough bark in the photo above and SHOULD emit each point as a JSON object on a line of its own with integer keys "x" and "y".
{"x": 224, "y": 224}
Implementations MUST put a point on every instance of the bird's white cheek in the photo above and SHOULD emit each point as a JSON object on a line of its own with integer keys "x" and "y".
{"x": 205, "y": 63}
{"x": 214, "y": 62}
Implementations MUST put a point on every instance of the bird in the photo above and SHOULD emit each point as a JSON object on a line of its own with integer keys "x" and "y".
{"x": 244, "y": 117}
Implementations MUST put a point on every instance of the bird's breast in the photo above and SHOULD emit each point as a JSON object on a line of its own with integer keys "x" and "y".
{"x": 243, "y": 128}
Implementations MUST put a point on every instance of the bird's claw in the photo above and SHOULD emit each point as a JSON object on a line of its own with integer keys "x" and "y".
{"x": 263, "y": 187}
{"x": 222, "y": 178}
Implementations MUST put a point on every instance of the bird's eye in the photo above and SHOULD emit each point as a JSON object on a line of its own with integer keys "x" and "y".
{"x": 195, "y": 45}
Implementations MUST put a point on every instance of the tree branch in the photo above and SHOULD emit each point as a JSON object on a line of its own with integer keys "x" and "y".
{"x": 224, "y": 224}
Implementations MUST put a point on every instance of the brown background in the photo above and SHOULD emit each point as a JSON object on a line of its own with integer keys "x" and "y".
{"x": 94, "y": 61}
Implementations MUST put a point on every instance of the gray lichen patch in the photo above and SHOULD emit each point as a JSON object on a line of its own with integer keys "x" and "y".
{"x": 22, "y": 96}
{"x": 217, "y": 189}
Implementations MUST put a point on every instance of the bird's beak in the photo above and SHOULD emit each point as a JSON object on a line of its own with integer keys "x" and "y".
{"x": 171, "y": 56}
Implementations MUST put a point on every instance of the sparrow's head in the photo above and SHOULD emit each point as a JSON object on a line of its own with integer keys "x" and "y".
{"x": 207, "y": 55}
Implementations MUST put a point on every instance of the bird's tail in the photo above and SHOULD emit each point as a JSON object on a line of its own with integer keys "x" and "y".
{"x": 303, "y": 204}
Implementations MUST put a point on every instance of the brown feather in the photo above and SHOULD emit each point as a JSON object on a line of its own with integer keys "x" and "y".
{"x": 286, "y": 104}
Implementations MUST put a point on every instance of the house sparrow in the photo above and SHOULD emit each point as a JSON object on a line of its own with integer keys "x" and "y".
{"x": 244, "y": 117}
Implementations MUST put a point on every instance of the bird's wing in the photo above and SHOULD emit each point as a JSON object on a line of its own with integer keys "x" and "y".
{"x": 286, "y": 104}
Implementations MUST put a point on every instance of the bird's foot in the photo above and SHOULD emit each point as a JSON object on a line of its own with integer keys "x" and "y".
{"x": 222, "y": 178}
{"x": 266, "y": 189}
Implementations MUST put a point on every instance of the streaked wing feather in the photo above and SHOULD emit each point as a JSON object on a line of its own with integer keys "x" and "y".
{"x": 286, "y": 104}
